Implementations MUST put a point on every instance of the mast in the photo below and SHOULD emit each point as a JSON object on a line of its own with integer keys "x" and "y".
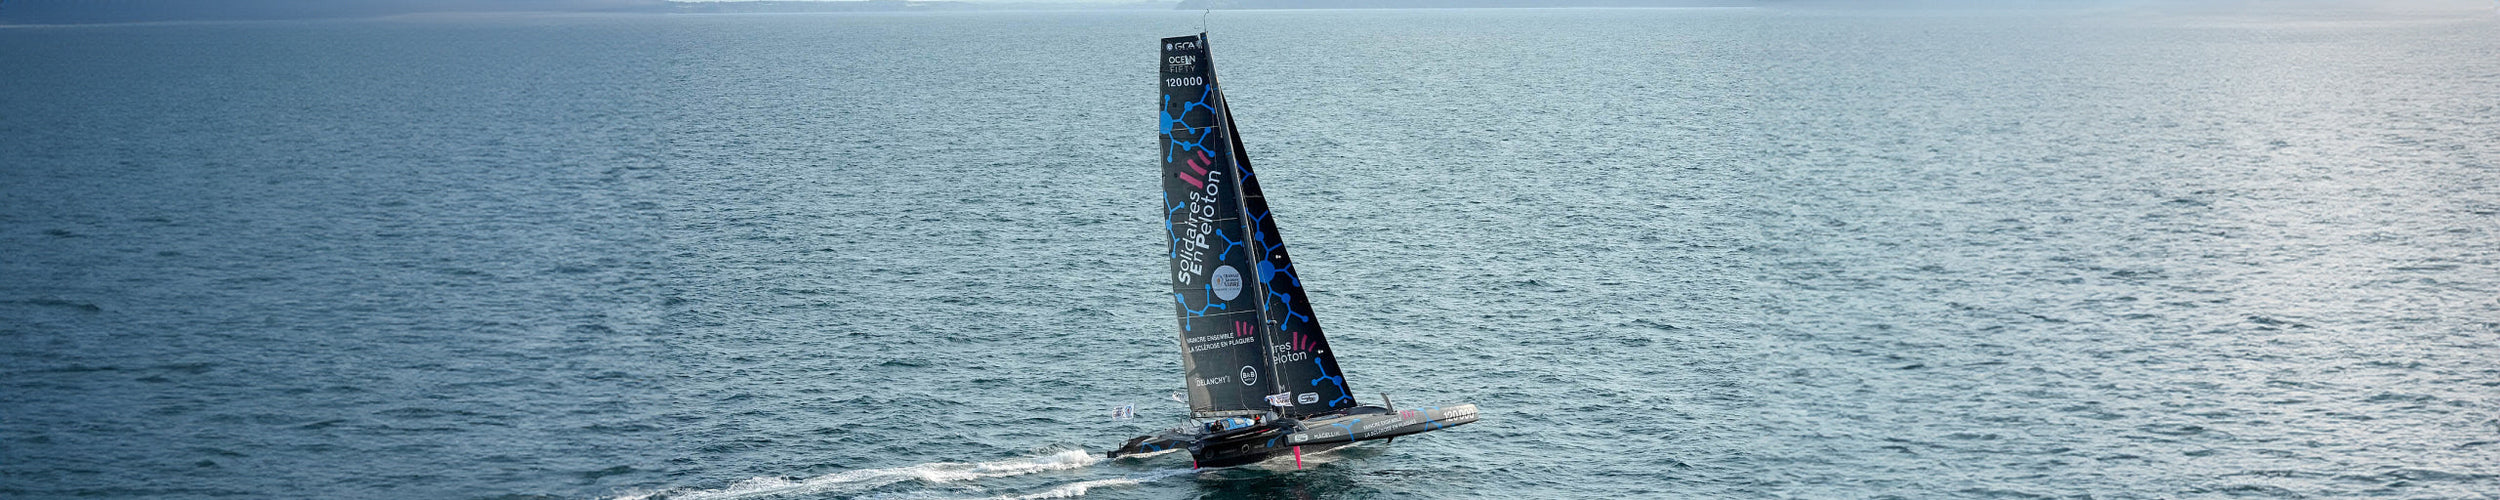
{"x": 1241, "y": 169}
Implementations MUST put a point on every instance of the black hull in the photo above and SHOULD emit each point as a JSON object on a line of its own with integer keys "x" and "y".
{"x": 1260, "y": 454}
{"x": 1285, "y": 437}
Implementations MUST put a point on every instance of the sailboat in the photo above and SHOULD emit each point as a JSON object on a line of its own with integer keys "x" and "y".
{"x": 1262, "y": 381}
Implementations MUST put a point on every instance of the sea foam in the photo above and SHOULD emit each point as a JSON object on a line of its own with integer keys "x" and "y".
{"x": 864, "y": 479}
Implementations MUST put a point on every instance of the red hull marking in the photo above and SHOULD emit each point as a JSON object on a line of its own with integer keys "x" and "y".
{"x": 1297, "y": 457}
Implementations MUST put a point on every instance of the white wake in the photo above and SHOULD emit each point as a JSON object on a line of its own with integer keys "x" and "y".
{"x": 1078, "y": 489}
{"x": 865, "y": 479}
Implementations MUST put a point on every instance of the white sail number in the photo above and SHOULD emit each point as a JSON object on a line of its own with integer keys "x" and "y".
{"x": 1184, "y": 82}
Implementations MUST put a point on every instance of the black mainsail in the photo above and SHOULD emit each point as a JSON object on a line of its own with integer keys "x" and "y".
{"x": 1250, "y": 344}
{"x": 1222, "y": 326}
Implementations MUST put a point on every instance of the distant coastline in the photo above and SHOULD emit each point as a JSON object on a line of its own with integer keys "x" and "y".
{"x": 765, "y": 6}
{"x": 24, "y": 12}
{"x": 1447, "y": 4}
{"x": 47, "y": 12}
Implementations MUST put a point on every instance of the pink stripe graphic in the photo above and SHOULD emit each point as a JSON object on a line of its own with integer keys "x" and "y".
{"x": 1202, "y": 171}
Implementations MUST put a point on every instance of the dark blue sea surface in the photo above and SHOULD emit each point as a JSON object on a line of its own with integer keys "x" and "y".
{"x": 1715, "y": 253}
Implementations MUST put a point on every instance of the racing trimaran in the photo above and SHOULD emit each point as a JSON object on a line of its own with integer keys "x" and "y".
{"x": 1262, "y": 380}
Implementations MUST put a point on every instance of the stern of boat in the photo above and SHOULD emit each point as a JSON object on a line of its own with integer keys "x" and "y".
{"x": 1152, "y": 444}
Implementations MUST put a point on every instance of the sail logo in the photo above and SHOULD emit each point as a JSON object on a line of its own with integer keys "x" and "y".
{"x": 1226, "y": 281}
{"x": 1201, "y": 219}
{"x": 1242, "y": 334}
{"x": 1296, "y": 353}
{"x": 1249, "y": 376}
{"x": 1198, "y": 165}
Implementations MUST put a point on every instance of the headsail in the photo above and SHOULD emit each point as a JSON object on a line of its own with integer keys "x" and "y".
{"x": 1306, "y": 369}
{"x": 1222, "y": 340}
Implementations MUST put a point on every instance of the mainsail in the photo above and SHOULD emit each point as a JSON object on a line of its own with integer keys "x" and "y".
{"x": 1220, "y": 323}
{"x": 1249, "y": 340}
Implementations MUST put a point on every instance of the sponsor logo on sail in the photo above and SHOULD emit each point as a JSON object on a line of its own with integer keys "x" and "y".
{"x": 1307, "y": 398}
{"x": 1249, "y": 376}
{"x": 1282, "y": 354}
{"x": 1227, "y": 282}
{"x": 1203, "y": 200}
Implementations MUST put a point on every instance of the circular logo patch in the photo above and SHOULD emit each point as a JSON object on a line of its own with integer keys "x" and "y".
{"x": 1249, "y": 376}
{"x": 1227, "y": 282}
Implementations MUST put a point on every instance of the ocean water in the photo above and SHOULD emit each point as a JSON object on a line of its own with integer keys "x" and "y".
{"x": 1715, "y": 253}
